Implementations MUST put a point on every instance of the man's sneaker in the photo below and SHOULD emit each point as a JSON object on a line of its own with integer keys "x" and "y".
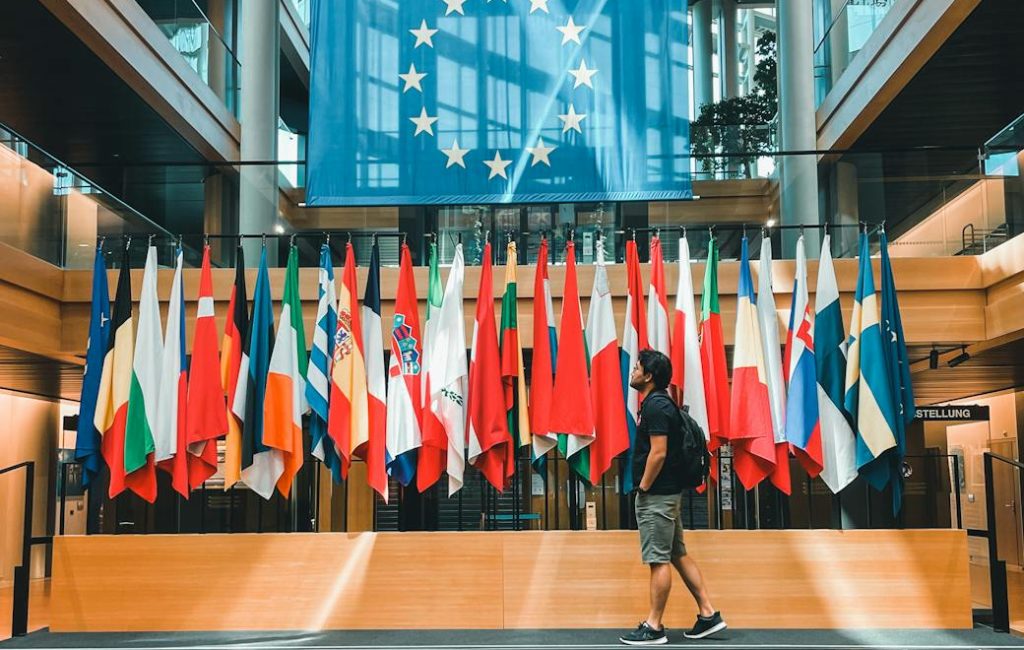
{"x": 644, "y": 634}
{"x": 706, "y": 626}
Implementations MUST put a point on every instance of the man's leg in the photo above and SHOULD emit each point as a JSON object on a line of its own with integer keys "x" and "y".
{"x": 661, "y": 585}
{"x": 694, "y": 580}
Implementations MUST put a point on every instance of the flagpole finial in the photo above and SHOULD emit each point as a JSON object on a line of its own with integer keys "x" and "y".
{"x": 632, "y": 233}
{"x": 127, "y": 242}
{"x": 572, "y": 234}
{"x": 460, "y": 239}
{"x": 405, "y": 239}
{"x": 373, "y": 239}
{"x": 291, "y": 240}
{"x": 206, "y": 239}
{"x": 825, "y": 226}
{"x": 181, "y": 241}
{"x": 151, "y": 238}
{"x": 327, "y": 238}
{"x": 99, "y": 244}
{"x": 684, "y": 232}
{"x": 264, "y": 240}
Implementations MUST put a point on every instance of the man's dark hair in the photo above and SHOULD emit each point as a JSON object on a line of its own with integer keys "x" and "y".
{"x": 658, "y": 366}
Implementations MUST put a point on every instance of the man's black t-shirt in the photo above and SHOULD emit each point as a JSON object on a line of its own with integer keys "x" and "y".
{"x": 659, "y": 416}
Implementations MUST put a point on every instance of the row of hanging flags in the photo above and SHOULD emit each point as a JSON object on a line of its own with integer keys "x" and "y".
{"x": 839, "y": 403}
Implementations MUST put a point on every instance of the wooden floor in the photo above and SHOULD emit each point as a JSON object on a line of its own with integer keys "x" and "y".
{"x": 38, "y": 607}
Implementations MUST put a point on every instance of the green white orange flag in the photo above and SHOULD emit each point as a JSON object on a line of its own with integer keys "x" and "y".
{"x": 513, "y": 373}
{"x": 116, "y": 380}
{"x": 139, "y": 444}
{"x": 572, "y": 415}
{"x": 611, "y": 433}
{"x": 286, "y": 381}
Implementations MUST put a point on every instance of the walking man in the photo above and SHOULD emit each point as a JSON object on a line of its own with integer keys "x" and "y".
{"x": 656, "y": 461}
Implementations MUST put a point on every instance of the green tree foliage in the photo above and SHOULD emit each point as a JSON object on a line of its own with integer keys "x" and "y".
{"x": 740, "y": 124}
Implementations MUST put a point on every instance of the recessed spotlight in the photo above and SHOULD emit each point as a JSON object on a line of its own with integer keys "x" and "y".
{"x": 279, "y": 229}
{"x": 770, "y": 223}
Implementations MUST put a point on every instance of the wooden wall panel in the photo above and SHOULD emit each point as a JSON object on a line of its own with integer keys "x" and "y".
{"x": 531, "y": 580}
{"x": 276, "y": 582}
{"x": 811, "y": 578}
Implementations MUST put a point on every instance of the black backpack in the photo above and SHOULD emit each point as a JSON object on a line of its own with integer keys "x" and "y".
{"x": 694, "y": 459}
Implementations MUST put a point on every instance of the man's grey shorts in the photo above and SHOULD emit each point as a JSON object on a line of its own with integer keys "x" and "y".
{"x": 661, "y": 531}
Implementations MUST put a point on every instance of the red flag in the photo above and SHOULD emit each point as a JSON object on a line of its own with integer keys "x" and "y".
{"x": 542, "y": 370}
{"x": 489, "y": 440}
{"x": 572, "y": 416}
{"x": 206, "y": 414}
{"x": 611, "y": 434}
{"x": 712, "y": 358}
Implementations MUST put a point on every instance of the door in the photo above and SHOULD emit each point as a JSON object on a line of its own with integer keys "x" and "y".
{"x": 1008, "y": 506}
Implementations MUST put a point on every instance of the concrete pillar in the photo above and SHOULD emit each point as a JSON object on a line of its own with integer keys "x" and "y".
{"x": 259, "y": 57}
{"x": 729, "y": 68}
{"x": 799, "y": 174}
{"x": 703, "y": 91}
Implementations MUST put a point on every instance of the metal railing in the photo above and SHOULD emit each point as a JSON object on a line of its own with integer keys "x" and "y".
{"x": 997, "y": 567}
{"x": 23, "y": 573}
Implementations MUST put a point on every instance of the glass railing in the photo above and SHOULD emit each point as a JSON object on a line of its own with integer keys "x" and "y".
{"x": 301, "y": 8}
{"x": 933, "y": 202}
{"x": 203, "y": 41}
{"x": 842, "y": 27}
{"x": 56, "y": 214}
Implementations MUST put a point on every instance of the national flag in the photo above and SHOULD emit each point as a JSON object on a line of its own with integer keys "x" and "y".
{"x": 88, "y": 440}
{"x": 206, "y": 411}
{"x": 542, "y": 368}
{"x": 286, "y": 381}
{"x": 839, "y": 463}
{"x": 750, "y": 418}
{"x": 869, "y": 395}
{"x": 321, "y": 362}
{"x": 116, "y": 380}
{"x": 712, "y": 359}
{"x": 634, "y": 339}
{"x": 433, "y": 452}
{"x": 139, "y": 445}
{"x": 572, "y": 414}
{"x": 449, "y": 373}
{"x": 687, "y": 370}
{"x": 170, "y": 434}
{"x": 348, "y": 418}
{"x": 803, "y": 425}
{"x": 489, "y": 440}
{"x": 657, "y": 303}
{"x": 405, "y": 408}
{"x": 513, "y": 372}
{"x": 232, "y": 351}
{"x": 768, "y": 323}
{"x": 374, "y": 452}
{"x": 898, "y": 365}
{"x": 611, "y": 436}
{"x": 261, "y": 464}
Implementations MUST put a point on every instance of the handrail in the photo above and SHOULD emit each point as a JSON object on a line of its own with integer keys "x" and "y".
{"x": 997, "y": 567}
{"x": 22, "y": 573}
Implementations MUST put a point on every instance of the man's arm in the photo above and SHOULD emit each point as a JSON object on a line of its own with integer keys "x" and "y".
{"x": 655, "y": 460}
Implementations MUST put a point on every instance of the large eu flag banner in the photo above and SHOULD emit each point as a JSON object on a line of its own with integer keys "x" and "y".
{"x": 498, "y": 101}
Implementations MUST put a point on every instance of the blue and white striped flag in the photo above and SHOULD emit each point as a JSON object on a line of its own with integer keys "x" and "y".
{"x": 318, "y": 373}
{"x": 869, "y": 396}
